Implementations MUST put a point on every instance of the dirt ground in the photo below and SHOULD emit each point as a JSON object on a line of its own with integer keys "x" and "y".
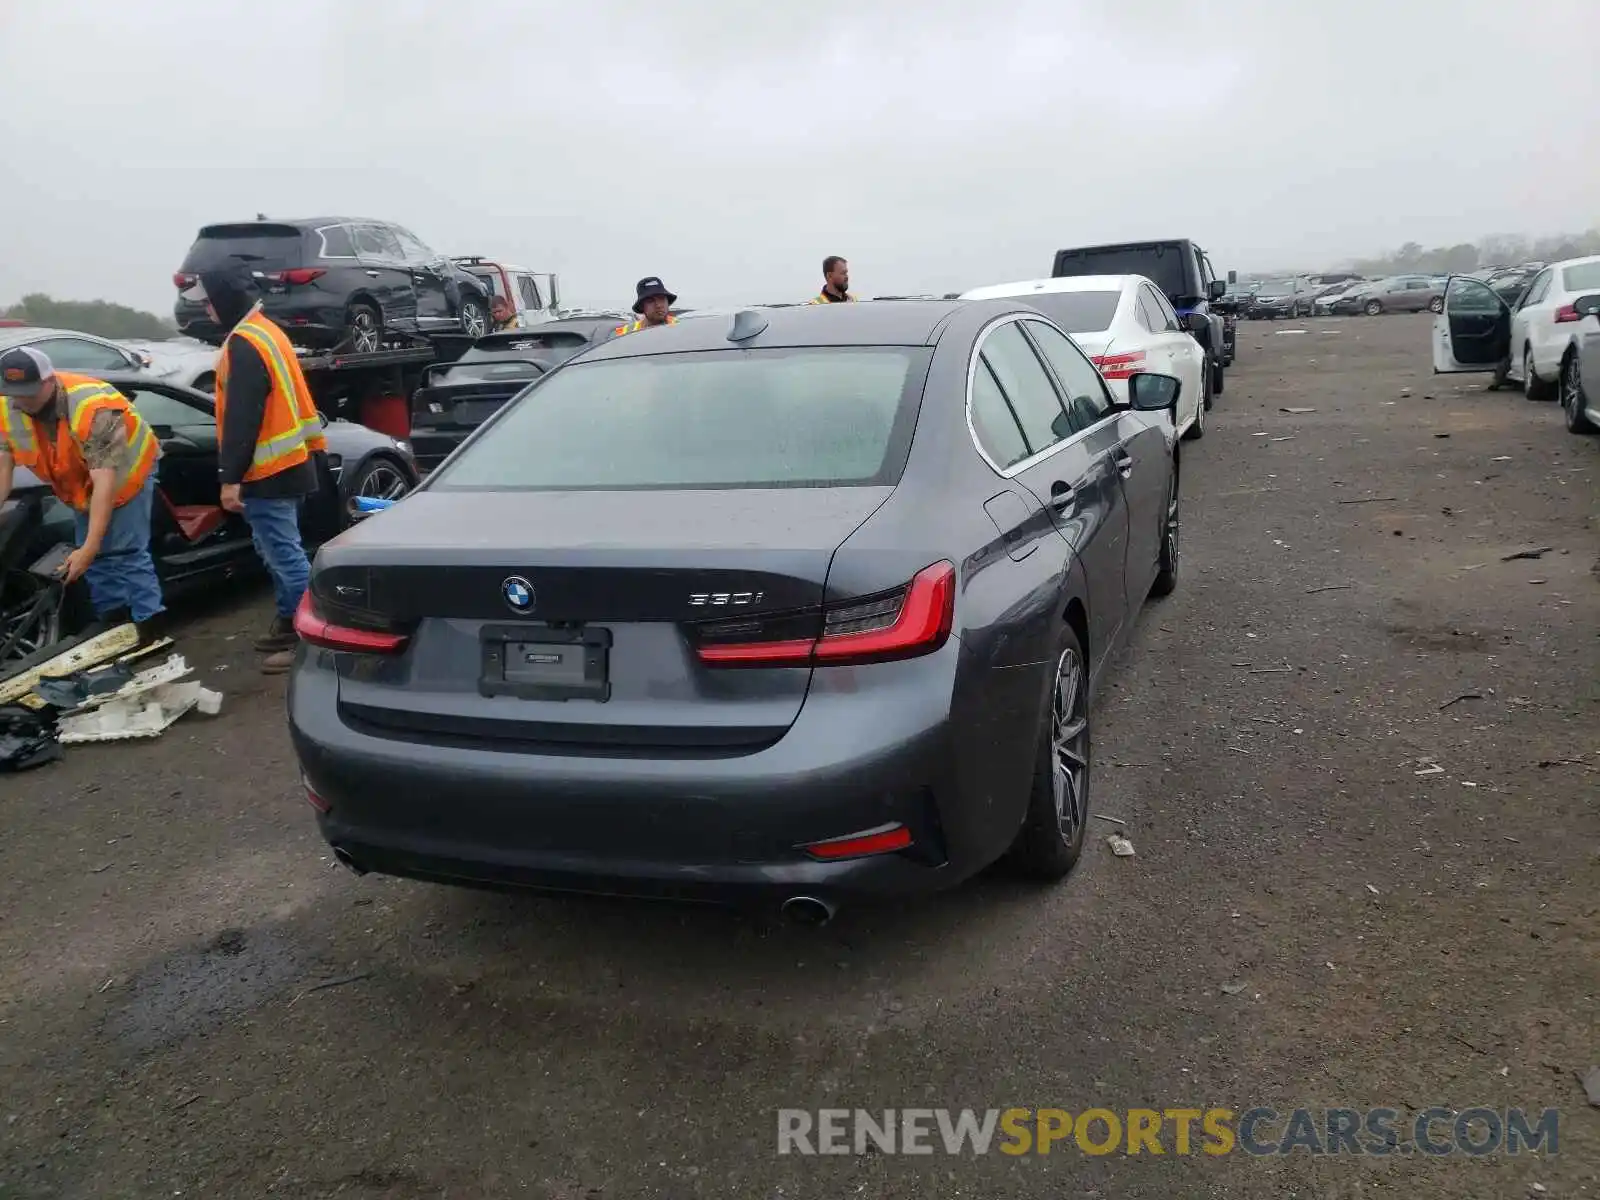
{"x": 196, "y": 1001}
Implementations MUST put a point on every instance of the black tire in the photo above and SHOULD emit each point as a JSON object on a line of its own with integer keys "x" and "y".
{"x": 378, "y": 476}
{"x": 474, "y": 318}
{"x": 363, "y": 327}
{"x": 1436, "y": 305}
{"x": 1533, "y": 387}
{"x": 1372, "y": 308}
{"x": 1171, "y": 552}
{"x": 1573, "y": 398}
{"x": 1218, "y": 378}
{"x": 1501, "y": 376}
{"x": 1050, "y": 841}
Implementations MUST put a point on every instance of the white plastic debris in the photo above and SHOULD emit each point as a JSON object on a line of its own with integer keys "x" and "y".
{"x": 144, "y": 707}
{"x": 1120, "y": 846}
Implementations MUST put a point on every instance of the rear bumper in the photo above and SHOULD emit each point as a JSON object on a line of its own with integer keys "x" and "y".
{"x": 432, "y": 446}
{"x": 313, "y": 321}
{"x": 721, "y": 829}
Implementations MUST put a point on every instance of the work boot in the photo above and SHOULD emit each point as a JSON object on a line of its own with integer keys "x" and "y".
{"x": 277, "y": 664}
{"x": 154, "y": 628}
{"x": 280, "y": 635}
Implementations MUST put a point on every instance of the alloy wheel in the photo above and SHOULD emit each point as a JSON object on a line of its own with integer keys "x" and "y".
{"x": 1173, "y": 528}
{"x": 473, "y": 322}
{"x": 382, "y": 480}
{"x": 1069, "y": 746}
{"x": 26, "y": 627}
{"x": 365, "y": 336}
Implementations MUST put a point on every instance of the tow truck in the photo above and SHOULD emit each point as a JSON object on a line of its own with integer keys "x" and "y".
{"x": 520, "y": 298}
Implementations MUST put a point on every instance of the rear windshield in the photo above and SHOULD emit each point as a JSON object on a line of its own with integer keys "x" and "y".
{"x": 1585, "y": 277}
{"x": 1077, "y": 312}
{"x": 261, "y": 246}
{"x": 486, "y": 372}
{"x": 1162, "y": 265}
{"x": 803, "y": 417}
{"x": 533, "y": 341}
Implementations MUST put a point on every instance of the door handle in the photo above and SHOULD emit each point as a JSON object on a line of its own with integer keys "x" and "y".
{"x": 1124, "y": 462}
{"x": 374, "y": 274}
{"x": 1062, "y": 496}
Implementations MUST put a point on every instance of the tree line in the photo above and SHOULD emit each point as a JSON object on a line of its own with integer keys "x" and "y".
{"x": 99, "y": 317}
{"x": 1500, "y": 250}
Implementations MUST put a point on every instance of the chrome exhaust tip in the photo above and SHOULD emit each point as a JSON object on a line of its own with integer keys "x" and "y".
{"x": 807, "y": 910}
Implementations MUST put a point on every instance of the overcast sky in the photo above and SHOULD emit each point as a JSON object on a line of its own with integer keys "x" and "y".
{"x": 728, "y": 145}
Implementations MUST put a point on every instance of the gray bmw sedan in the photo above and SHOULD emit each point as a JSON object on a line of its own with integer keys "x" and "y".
{"x": 783, "y": 606}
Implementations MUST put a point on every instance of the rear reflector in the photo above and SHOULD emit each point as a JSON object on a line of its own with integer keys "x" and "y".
{"x": 905, "y": 623}
{"x": 885, "y": 839}
{"x": 1120, "y": 366}
{"x": 182, "y": 282}
{"x": 316, "y": 801}
{"x": 316, "y": 631}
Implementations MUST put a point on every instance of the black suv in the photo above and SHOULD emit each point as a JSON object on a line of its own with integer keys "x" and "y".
{"x": 338, "y": 281}
{"x": 1179, "y": 268}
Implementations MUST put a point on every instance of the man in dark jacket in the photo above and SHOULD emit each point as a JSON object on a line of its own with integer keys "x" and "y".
{"x": 265, "y": 470}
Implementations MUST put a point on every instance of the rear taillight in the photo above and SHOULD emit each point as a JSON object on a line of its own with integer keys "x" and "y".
{"x": 316, "y": 801}
{"x": 907, "y": 622}
{"x": 1120, "y": 366}
{"x": 295, "y": 275}
{"x": 182, "y": 281}
{"x": 316, "y": 630}
{"x": 1568, "y": 313}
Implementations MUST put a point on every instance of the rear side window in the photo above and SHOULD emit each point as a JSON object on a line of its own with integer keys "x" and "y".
{"x": 78, "y": 354}
{"x": 259, "y": 245}
{"x": 1145, "y": 311}
{"x": 1026, "y": 385}
{"x": 993, "y": 422}
{"x": 336, "y": 242}
{"x": 802, "y": 417}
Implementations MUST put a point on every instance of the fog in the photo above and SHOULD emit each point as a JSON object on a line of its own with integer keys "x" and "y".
{"x": 729, "y": 146}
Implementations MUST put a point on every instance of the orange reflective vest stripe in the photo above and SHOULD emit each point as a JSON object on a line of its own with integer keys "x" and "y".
{"x": 290, "y": 430}
{"x": 824, "y": 298}
{"x": 59, "y": 462}
{"x": 641, "y": 323}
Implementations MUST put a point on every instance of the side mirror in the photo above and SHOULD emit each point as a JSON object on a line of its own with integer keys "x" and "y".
{"x": 162, "y": 432}
{"x": 1197, "y": 322}
{"x": 1062, "y": 427}
{"x": 1233, "y": 277}
{"x": 1587, "y": 306}
{"x": 1149, "y": 392}
{"x": 1216, "y": 289}
{"x": 144, "y": 359}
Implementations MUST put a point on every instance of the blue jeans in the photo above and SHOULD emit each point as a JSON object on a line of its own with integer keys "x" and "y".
{"x": 275, "y": 529}
{"x": 123, "y": 575}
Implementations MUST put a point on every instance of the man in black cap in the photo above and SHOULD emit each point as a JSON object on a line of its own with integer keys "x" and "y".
{"x": 654, "y": 306}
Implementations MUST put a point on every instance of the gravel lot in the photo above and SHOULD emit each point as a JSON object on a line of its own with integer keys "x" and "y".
{"x": 167, "y": 910}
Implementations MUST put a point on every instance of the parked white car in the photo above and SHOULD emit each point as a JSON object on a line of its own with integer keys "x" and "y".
{"x": 1538, "y": 341}
{"x": 184, "y": 360}
{"x": 1125, "y": 325}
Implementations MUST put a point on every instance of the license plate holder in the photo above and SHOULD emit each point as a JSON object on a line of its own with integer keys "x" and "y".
{"x": 542, "y": 662}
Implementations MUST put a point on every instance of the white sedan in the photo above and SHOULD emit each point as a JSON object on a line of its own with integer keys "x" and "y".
{"x": 1545, "y": 326}
{"x": 1125, "y": 325}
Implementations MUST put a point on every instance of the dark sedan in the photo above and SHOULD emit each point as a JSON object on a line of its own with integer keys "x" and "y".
{"x": 456, "y": 397}
{"x": 193, "y": 539}
{"x": 787, "y": 606}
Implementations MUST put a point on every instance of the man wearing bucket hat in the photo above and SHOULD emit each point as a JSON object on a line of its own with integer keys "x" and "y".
{"x": 654, "y": 306}
{"x": 83, "y": 438}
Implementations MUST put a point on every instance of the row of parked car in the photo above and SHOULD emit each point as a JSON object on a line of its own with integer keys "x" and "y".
{"x": 1351, "y": 295}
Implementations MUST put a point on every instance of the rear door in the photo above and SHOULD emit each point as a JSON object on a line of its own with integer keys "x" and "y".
{"x": 1186, "y": 359}
{"x": 1131, "y": 453}
{"x": 1068, "y": 468}
{"x": 388, "y": 276}
{"x": 1473, "y": 333}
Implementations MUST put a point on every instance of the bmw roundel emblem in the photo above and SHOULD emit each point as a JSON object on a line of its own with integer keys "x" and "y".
{"x": 518, "y": 593}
